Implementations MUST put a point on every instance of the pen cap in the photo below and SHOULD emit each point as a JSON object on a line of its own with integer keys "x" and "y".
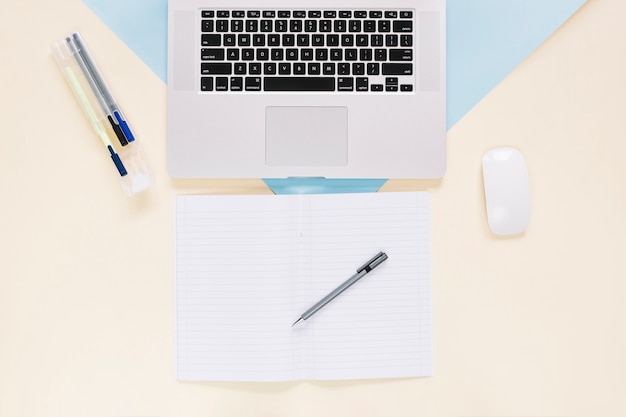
{"x": 138, "y": 177}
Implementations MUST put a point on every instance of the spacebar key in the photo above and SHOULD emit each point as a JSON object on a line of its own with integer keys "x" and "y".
{"x": 299, "y": 83}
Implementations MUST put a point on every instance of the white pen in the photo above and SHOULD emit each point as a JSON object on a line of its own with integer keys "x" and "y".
{"x": 360, "y": 273}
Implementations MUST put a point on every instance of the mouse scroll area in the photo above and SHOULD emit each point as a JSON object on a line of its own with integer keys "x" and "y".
{"x": 507, "y": 191}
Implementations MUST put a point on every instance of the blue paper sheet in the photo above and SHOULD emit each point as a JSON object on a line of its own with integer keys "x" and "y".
{"x": 486, "y": 39}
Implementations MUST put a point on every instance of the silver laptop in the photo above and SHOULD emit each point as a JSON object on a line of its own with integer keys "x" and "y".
{"x": 315, "y": 88}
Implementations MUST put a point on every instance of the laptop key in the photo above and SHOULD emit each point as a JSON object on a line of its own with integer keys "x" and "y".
{"x": 269, "y": 68}
{"x": 299, "y": 84}
{"x": 358, "y": 68}
{"x": 211, "y": 40}
{"x": 255, "y": 68}
{"x": 212, "y": 54}
{"x": 345, "y": 84}
{"x": 221, "y": 26}
{"x": 406, "y": 40}
{"x": 216, "y": 68}
{"x": 236, "y": 84}
{"x": 391, "y": 40}
{"x": 391, "y": 84}
{"x": 310, "y": 25}
{"x": 240, "y": 68}
{"x": 284, "y": 68}
{"x": 236, "y": 25}
{"x": 369, "y": 26}
{"x": 397, "y": 69}
{"x": 253, "y": 83}
{"x": 229, "y": 39}
{"x": 400, "y": 54}
{"x": 244, "y": 40}
{"x": 299, "y": 68}
{"x": 266, "y": 25}
{"x": 403, "y": 26}
{"x": 273, "y": 40}
{"x": 206, "y": 83}
{"x": 207, "y": 26}
{"x": 373, "y": 68}
{"x": 221, "y": 84}
{"x": 361, "y": 84}
{"x": 252, "y": 26}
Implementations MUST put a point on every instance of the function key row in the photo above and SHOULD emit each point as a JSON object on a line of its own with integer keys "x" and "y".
{"x": 311, "y": 14}
{"x": 311, "y": 26}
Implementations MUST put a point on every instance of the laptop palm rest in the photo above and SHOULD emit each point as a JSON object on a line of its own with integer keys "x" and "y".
{"x": 306, "y": 136}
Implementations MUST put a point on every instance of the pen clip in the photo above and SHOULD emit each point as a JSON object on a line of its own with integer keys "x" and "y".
{"x": 373, "y": 263}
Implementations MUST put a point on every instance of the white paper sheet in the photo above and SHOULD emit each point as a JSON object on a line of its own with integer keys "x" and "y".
{"x": 246, "y": 267}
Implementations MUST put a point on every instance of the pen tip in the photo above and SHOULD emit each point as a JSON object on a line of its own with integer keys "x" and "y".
{"x": 296, "y": 322}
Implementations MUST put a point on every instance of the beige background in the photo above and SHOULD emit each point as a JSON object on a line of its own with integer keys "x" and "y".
{"x": 530, "y": 326}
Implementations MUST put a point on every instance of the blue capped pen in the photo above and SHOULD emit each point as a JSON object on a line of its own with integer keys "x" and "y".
{"x": 105, "y": 98}
{"x": 101, "y": 110}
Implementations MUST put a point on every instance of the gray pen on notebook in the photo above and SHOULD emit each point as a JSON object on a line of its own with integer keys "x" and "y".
{"x": 360, "y": 273}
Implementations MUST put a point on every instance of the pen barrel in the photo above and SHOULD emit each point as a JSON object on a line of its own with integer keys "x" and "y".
{"x": 333, "y": 294}
{"x": 81, "y": 49}
{"x": 378, "y": 259}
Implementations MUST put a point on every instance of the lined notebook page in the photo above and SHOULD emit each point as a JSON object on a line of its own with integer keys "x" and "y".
{"x": 246, "y": 267}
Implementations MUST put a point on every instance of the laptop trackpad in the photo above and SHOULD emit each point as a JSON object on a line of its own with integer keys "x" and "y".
{"x": 306, "y": 136}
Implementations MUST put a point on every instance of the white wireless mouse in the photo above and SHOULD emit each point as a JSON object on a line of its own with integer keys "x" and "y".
{"x": 507, "y": 191}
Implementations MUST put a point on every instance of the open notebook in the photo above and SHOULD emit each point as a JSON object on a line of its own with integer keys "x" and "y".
{"x": 247, "y": 266}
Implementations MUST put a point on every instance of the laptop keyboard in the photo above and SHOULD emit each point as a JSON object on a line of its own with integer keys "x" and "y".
{"x": 344, "y": 51}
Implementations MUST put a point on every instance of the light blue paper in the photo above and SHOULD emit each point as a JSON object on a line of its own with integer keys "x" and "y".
{"x": 323, "y": 185}
{"x": 141, "y": 24}
{"x": 486, "y": 40}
